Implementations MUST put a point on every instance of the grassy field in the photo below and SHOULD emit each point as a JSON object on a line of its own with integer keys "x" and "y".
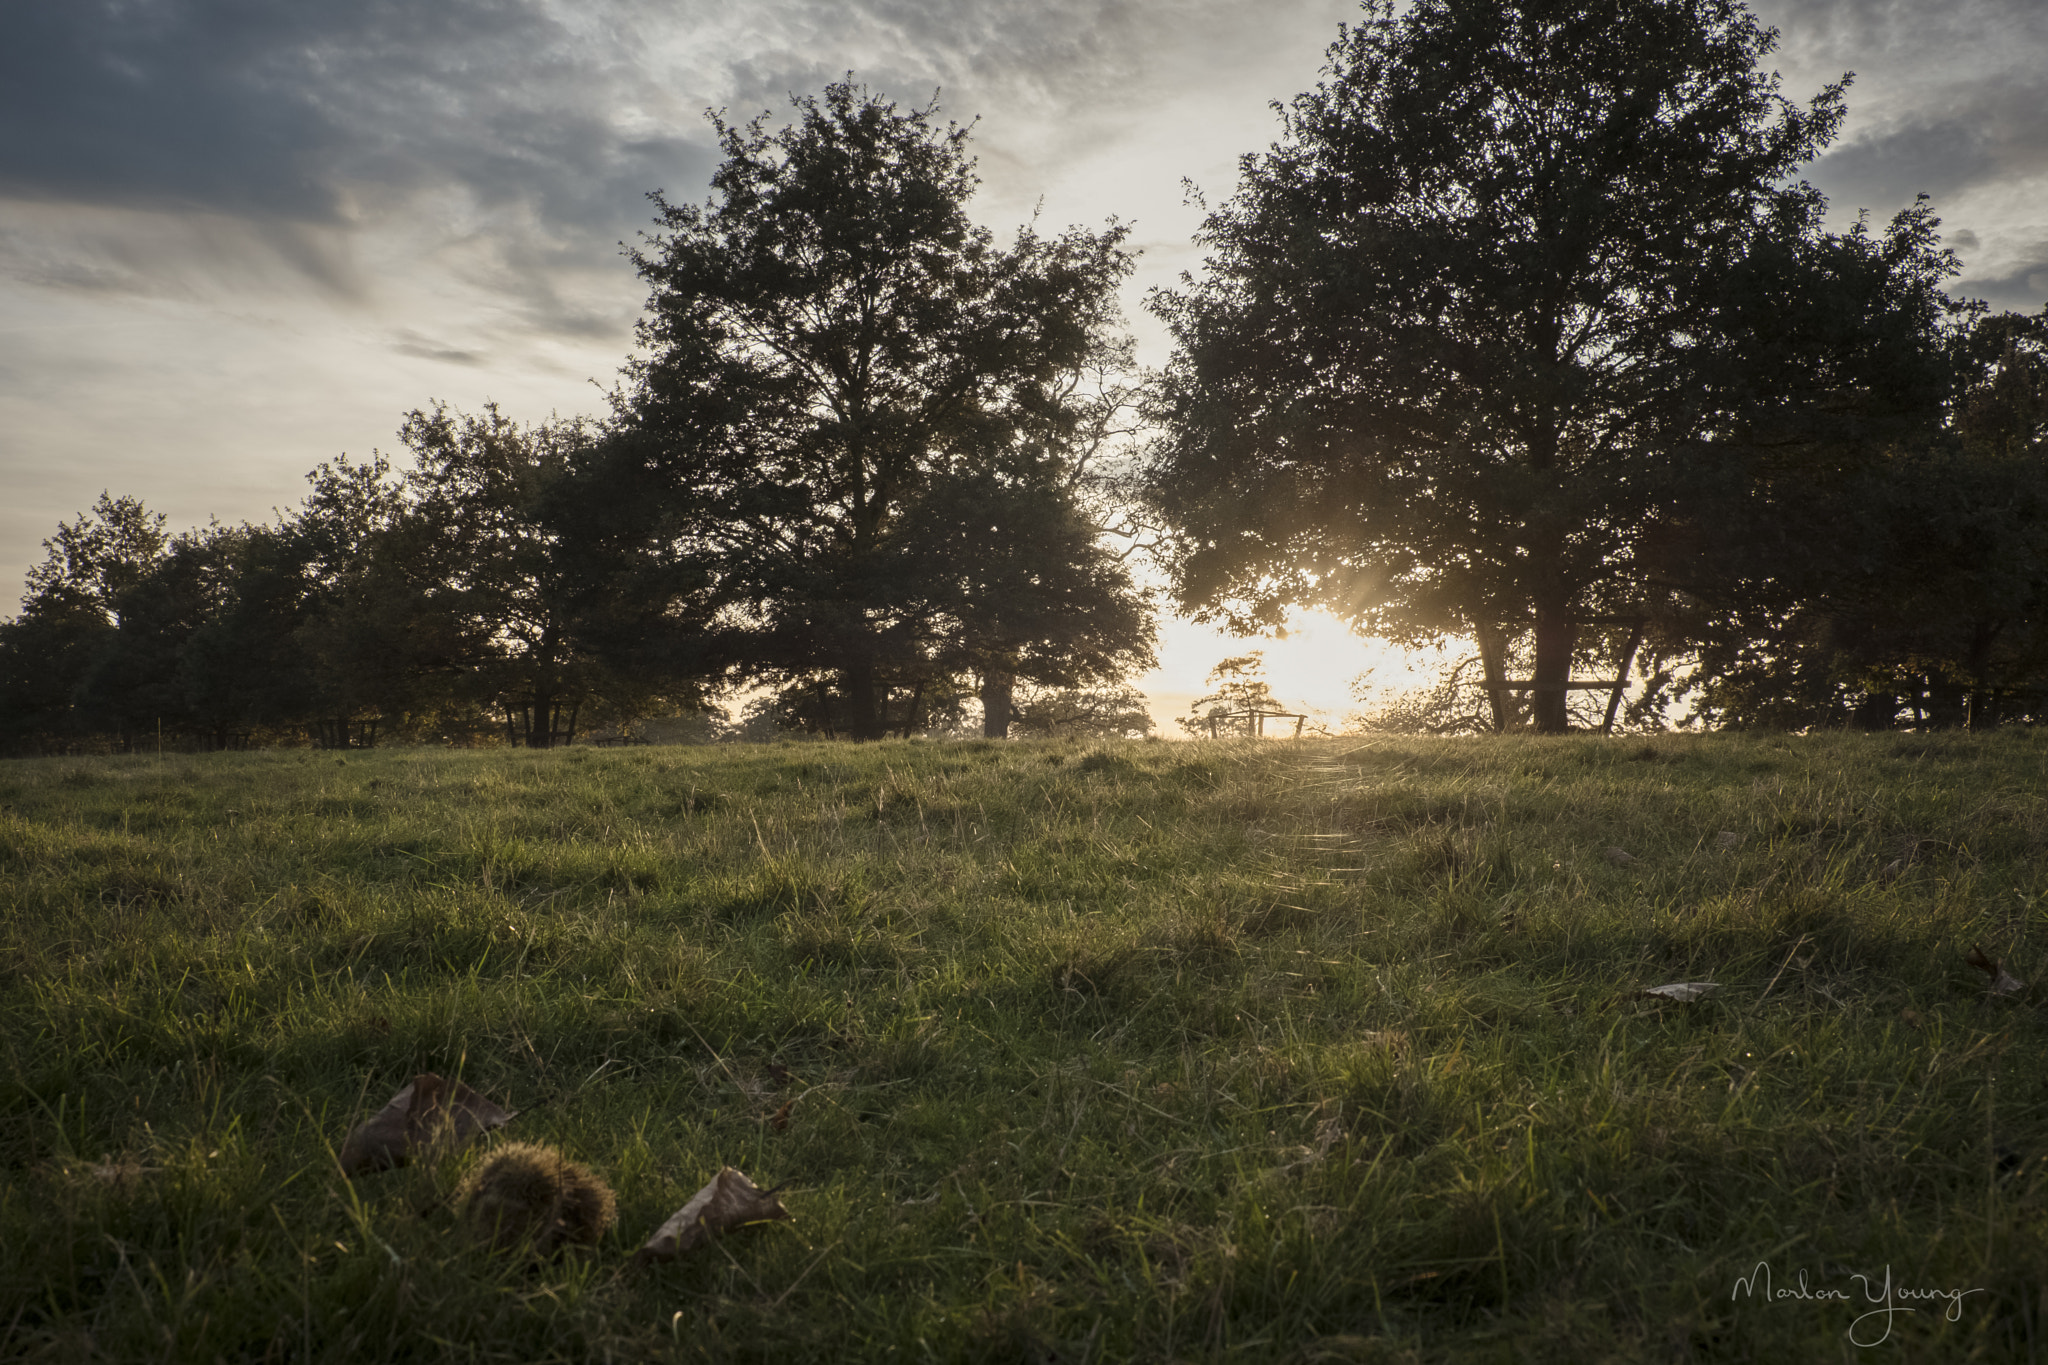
{"x": 1328, "y": 1051}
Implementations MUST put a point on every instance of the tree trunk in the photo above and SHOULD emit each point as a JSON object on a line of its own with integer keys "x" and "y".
{"x": 1875, "y": 711}
{"x": 1554, "y": 638}
{"x": 866, "y": 722}
{"x": 1493, "y": 653}
{"x": 998, "y": 694}
{"x": 1628, "y": 656}
{"x": 913, "y": 718}
{"x": 1980, "y": 706}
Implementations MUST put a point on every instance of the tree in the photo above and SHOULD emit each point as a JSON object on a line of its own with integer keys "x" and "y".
{"x": 1483, "y": 324}
{"x": 70, "y": 613}
{"x": 1025, "y": 589}
{"x": 146, "y": 672}
{"x": 383, "y": 644}
{"x": 1240, "y": 693}
{"x": 543, "y": 557}
{"x": 1113, "y": 712}
{"x": 845, "y": 380}
{"x": 1917, "y": 581}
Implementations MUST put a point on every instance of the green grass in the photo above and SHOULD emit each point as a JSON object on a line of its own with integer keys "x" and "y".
{"x": 1330, "y": 1051}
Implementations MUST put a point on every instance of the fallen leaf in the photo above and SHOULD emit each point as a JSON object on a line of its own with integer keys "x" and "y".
{"x": 1684, "y": 990}
{"x": 729, "y": 1201}
{"x": 2002, "y": 981}
{"x": 1620, "y": 857}
{"x": 1912, "y": 1018}
{"x": 428, "y": 1112}
{"x": 780, "y": 1121}
{"x": 1727, "y": 839}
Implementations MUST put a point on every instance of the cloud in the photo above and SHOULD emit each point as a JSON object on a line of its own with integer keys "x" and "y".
{"x": 292, "y": 110}
{"x": 1884, "y": 33}
{"x": 1982, "y": 134}
{"x": 513, "y": 141}
{"x": 314, "y": 111}
{"x": 409, "y": 342}
{"x": 2013, "y": 276}
{"x": 165, "y": 123}
{"x": 96, "y": 249}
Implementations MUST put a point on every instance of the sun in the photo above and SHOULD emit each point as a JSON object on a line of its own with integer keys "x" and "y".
{"x": 1314, "y": 666}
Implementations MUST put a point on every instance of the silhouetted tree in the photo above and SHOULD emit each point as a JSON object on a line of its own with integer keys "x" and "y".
{"x": 1485, "y": 321}
{"x": 845, "y": 382}
{"x": 69, "y": 614}
{"x": 1109, "y": 712}
{"x": 541, "y": 561}
{"x": 383, "y": 644}
{"x": 1916, "y": 582}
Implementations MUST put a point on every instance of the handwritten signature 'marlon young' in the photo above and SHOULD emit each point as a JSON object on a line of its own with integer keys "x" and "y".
{"x": 1885, "y": 1296}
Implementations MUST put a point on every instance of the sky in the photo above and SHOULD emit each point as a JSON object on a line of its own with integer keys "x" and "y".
{"x": 241, "y": 237}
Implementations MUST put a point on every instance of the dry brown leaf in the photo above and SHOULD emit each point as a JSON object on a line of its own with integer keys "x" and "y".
{"x": 1912, "y": 1018}
{"x": 2002, "y": 981}
{"x": 780, "y": 1121}
{"x": 1620, "y": 857}
{"x": 1684, "y": 990}
{"x": 1727, "y": 839}
{"x": 428, "y": 1112}
{"x": 729, "y": 1201}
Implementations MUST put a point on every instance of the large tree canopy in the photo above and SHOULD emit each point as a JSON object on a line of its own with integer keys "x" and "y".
{"x": 1522, "y": 287}
{"x": 867, "y": 405}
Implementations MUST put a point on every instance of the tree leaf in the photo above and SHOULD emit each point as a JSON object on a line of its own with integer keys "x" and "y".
{"x": 428, "y": 1112}
{"x": 2002, "y": 981}
{"x": 1684, "y": 990}
{"x": 729, "y": 1201}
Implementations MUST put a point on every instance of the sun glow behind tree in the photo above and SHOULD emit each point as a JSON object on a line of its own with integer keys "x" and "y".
{"x": 1313, "y": 667}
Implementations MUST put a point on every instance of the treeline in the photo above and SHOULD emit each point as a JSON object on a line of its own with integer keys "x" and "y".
{"x": 1525, "y": 332}
{"x": 855, "y": 464}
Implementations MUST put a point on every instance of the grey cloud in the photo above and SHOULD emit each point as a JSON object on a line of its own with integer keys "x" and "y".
{"x": 112, "y": 251}
{"x": 1983, "y": 134}
{"x": 553, "y": 120}
{"x": 298, "y": 110}
{"x": 2019, "y": 281}
{"x": 409, "y": 342}
{"x": 1909, "y": 31}
{"x": 311, "y": 109}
